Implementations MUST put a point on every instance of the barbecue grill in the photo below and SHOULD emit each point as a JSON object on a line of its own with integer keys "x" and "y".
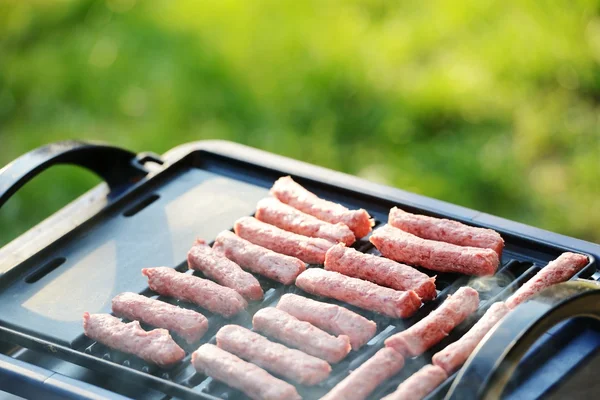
{"x": 150, "y": 210}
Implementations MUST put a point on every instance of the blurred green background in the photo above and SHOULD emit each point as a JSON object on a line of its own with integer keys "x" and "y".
{"x": 490, "y": 105}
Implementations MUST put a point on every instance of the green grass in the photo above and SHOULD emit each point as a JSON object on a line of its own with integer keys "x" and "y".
{"x": 490, "y": 105}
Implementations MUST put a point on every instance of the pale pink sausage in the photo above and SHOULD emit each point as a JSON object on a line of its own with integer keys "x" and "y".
{"x": 419, "y": 384}
{"x": 308, "y": 249}
{"x": 226, "y": 272}
{"x": 254, "y": 381}
{"x": 362, "y": 381}
{"x": 274, "y": 212}
{"x": 207, "y": 294}
{"x": 258, "y": 259}
{"x": 446, "y": 230}
{"x": 330, "y": 317}
{"x": 290, "y": 192}
{"x": 454, "y": 355}
{"x": 379, "y": 270}
{"x": 363, "y": 294}
{"x": 301, "y": 335}
{"x": 188, "y": 324}
{"x": 559, "y": 270}
{"x": 155, "y": 346}
{"x": 274, "y": 357}
{"x": 436, "y": 326}
{"x": 404, "y": 247}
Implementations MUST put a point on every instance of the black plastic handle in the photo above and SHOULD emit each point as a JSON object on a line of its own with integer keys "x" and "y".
{"x": 488, "y": 370}
{"x": 116, "y": 166}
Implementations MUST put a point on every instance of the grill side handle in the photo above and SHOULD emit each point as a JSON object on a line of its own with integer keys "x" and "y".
{"x": 490, "y": 366}
{"x": 118, "y": 167}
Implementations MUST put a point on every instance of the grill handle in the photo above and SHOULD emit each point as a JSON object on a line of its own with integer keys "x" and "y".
{"x": 118, "y": 167}
{"x": 488, "y": 370}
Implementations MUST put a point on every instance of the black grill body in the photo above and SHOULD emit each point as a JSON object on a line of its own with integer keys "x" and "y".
{"x": 149, "y": 214}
